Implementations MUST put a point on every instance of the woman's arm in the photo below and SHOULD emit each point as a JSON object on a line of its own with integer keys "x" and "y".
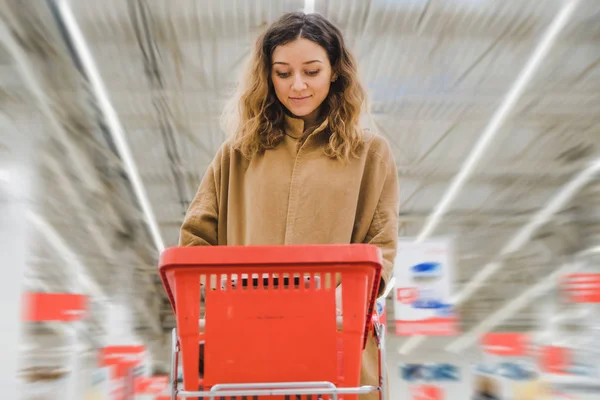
{"x": 383, "y": 231}
{"x": 201, "y": 220}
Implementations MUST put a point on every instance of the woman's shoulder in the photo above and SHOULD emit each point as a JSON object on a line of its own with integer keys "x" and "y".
{"x": 225, "y": 155}
{"x": 227, "y": 152}
{"x": 376, "y": 145}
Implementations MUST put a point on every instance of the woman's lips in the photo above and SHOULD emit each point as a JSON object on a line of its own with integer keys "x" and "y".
{"x": 299, "y": 99}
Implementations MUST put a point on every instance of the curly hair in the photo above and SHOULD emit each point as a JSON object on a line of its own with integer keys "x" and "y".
{"x": 255, "y": 117}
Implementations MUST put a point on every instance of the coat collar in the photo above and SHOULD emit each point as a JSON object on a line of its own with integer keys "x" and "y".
{"x": 295, "y": 126}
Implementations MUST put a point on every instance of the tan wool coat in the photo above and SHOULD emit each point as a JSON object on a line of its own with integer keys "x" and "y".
{"x": 295, "y": 194}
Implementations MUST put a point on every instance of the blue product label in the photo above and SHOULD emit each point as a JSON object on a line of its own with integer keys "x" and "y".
{"x": 379, "y": 308}
{"x": 426, "y": 268}
{"x": 445, "y": 310}
{"x": 430, "y": 372}
{"x": 427, "y": 304}
{"x": 514, "y": 371}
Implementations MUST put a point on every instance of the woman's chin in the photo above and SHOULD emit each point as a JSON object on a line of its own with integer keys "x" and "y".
{"x": 301, "y": 112}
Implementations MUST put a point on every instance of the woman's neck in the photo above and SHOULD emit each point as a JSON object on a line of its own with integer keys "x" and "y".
{"x": 309, "y": 120}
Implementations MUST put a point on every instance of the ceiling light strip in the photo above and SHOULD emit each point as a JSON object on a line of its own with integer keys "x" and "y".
{"x": 492, "y": 128}
{"x": 112, "y": 120}
{"x": 545, "y": 44}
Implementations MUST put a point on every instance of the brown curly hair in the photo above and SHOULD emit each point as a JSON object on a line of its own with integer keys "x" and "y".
{"x": 255, "y": 116}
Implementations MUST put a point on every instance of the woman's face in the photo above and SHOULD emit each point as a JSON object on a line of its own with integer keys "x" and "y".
{"x": 301, "y": 75}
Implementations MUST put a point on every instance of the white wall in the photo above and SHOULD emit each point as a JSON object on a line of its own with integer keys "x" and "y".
{"x": 15, "y": 182}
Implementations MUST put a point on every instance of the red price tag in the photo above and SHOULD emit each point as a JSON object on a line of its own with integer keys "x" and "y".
{"x": 406, "y": 295}
{"x": 555, "y": 360}
{"x": 582, "y": 287}
{"x": 427, "y": 392}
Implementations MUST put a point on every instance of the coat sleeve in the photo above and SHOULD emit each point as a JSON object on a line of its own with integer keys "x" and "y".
{"x": 383, "y": 231}
{"x": 200, "y": 225}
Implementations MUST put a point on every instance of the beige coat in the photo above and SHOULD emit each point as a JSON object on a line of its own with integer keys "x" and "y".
{"x": 297, "y": 195}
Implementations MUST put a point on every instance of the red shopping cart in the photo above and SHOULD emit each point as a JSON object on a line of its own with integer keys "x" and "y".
{"x": 268, "y": 318}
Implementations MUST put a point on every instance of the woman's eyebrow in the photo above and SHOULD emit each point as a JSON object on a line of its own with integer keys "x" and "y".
{"x": 306, "y": 62}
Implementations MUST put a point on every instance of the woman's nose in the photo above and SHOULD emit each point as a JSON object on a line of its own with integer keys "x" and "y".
{"x": 298, "y": 83}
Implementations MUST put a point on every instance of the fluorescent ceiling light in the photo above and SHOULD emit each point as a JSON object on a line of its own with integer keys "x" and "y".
{"x": 80, "y": 163}
{"x": 492, "y": 128}
{"x": 309, "y": 6}
{"x": 510, "y": 308}
{"x": 112, "y": 120}
{"x": 79, "y": 273}
{"x": 555, "y": 203}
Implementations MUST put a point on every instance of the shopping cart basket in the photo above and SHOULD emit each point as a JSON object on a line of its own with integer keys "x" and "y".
{"x": 268, "y": 320}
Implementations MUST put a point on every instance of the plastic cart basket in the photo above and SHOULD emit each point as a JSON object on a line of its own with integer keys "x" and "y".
{"x": 268, "y": 320}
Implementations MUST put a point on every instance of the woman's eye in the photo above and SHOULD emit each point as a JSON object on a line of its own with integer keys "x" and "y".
{"x": 312, "y": 73}
{"x": 283, "y": 74}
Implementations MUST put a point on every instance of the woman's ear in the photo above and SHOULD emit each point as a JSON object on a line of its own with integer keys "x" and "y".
{"x": 334, "y": 77}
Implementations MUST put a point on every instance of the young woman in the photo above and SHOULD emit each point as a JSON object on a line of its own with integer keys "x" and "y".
{"x": 298, "y": 169}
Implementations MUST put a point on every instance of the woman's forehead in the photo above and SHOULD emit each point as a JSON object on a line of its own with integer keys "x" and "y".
{"x": 298, "y": 52}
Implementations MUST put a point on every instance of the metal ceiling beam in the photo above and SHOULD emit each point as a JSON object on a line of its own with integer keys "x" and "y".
{"x": 513, "y": 306}
{"x": 499, "y": 117}
{"x": 78, "y": 271}
{"x": 143, "y": 20}
{"x": 517, "y": 241}
{"x": 81, "y": 164}
{"x": 492, "y": 21}
{"x": 82, "y": 283}
{"x": 524, "y": 234}
{"x": 90, "y": 226}
{"x": 85, "y": 62}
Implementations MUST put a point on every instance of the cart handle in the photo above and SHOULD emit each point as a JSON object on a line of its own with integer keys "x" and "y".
{"x": 334, "y": 391}
{"x": 275, "y": 385}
